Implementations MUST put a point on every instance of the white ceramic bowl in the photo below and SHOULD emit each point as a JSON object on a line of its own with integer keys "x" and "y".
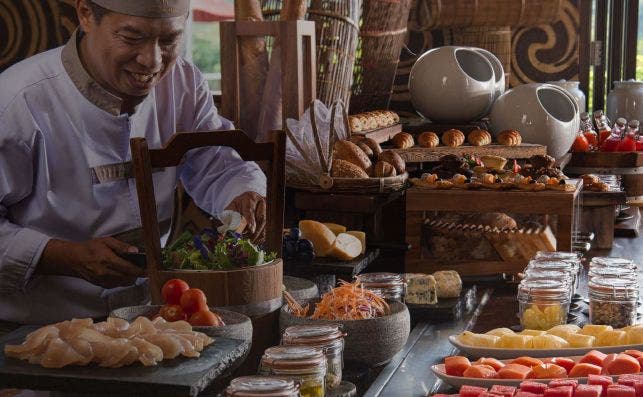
{"x": 543, "y": 113}
{"x": 498, "y": 72}
{"x": 452, "y": 84}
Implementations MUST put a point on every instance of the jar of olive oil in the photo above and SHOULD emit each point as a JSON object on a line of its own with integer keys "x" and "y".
{"x": 327, "y": 337}
{"x": 303, "y": 364}
{"x": 262, "y": 386}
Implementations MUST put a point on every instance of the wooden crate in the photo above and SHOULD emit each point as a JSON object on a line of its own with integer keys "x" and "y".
{"x": 419, "y": 154}
{"x": 420, "y": 202}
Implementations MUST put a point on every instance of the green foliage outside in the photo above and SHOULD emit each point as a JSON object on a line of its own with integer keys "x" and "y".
{"x": 206, "y": 51}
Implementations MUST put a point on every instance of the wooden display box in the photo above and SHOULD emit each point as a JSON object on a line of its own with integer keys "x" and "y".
{"x": 419, "y": 154}
{"x": 421, "y": 201}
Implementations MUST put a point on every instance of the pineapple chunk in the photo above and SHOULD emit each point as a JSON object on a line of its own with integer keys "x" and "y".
{"x": 563, "y": 330}
{"x": 611, "y": 338}
{"x": 533, "y": 332}
{"x": 477, "y": 340}
{"x": 549, "y": 342}
{"x": 580, "y": 340}
{"x": 335, "y": 228}
{"x": 515, "y": 342}
{"x": 500, "y": 332}
{"x": 595, "y": 330}
{"x": 634, "y": 334}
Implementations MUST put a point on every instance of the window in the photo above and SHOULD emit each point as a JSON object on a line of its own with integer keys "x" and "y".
{"x": 202, "y": 42}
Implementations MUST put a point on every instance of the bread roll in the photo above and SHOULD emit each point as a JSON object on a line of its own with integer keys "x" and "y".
{"x": 509, "y": 138}
{"x": 346, "y": 150}
{"x": 367, "y": 150}
{"x": 453, "y": 138}
{"x": 496, "y": 219}
{"x": 479, "y": 137}
{"x": 384, "y": 169}
{"x": 375, "y": 147}
{"x": 403, "y": 140}
{"x": 394, "y": 159}
{"x": 345, "y": 169}
{"x": 428, "y": 139}
{"x": 355, "y": 124}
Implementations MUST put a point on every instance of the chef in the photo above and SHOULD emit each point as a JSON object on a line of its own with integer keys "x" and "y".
{"x": 66, "y": 183}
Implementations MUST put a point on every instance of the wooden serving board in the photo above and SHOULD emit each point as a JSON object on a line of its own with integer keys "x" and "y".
{"x": 177, "y": 377}
{"x": 419, "y": 154}
{"x": 607, "y": 159}
{"x": 381, "y": 135}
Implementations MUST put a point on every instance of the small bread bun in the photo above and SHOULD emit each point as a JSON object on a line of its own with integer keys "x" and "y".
{"x": 509, "y": 138}
{"x": 394, "y": 159}
{"x": 453, "y": 138}
{"x": 372, "y": 143}
{"x": 384, "y": 169}
{"x": 428, "y": 139}
{"x": 345, "y": 169}
{"x": 479, "y": 137}
{"x": 355, "y": 124}
{"x": 403, "y": 140}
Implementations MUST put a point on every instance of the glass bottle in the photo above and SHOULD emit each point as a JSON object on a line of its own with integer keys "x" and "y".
{"x": 602, "y": 126}
{"x": 327, "y": 337}
{"x": 262, "y": 386}
{"x": 612, "y": 301}
{"x": 543, "y": 303}
{"x": 628, "y": 143}
{"x": 303, "y": 364}
{"x": 611, "y": 143}
{"x": 389, "y": 286}
{"x": 588, "y": 131}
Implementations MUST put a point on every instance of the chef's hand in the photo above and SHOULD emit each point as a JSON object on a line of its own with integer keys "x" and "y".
{"x": 252, "y": 206}
{"x": 96, "y": 261}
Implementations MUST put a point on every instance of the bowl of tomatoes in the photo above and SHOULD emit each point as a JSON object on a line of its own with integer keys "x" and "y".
{"x": 183, "y": 303}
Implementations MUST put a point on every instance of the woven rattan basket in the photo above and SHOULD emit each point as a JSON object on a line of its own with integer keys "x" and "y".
{"x": 382, "y": 36}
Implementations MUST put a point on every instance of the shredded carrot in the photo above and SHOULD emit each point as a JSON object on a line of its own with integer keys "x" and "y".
{"x": 295, "y": 307}
{"x": 350, "y": 301}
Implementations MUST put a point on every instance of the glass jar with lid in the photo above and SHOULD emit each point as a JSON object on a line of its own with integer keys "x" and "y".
{"x": 262, "y": 386}
{"x": 304, "y": 364}
{"x": 612, "y": 301}
{"x": 327, "y": 337}
{"x": 575, "y": 256}
{"x": 389, "y": 286}
{"x": 543, "y": 303}
{"x": 621, "y": 263}
{"x": 569, "y": 266}
{"x": 611, "y": 272}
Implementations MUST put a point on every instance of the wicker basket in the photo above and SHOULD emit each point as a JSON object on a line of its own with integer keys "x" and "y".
{"x": 329, "y": 184}
{"x": 433, "y": 14}
{"x": 382, "y": 34}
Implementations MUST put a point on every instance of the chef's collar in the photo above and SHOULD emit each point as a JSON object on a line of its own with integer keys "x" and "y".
{"x": 87, "y": 86}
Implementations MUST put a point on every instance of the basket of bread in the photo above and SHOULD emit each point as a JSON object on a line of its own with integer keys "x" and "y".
{"x": 321, "y": 155}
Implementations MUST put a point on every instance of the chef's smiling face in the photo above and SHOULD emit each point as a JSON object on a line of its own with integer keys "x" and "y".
{"x": 129, "y": 55}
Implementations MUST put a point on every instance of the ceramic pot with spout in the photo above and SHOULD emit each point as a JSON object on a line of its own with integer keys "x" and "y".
{"x": 625, "y": 100}
{"x": 573, "y": 88}
{"x": 543, "y": 114}
{"x": 452, "y": 84}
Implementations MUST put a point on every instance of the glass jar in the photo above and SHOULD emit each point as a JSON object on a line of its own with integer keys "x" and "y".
{"x": 576, "y": 256}
{"x": 605, "y": 261}
{"x": 327, "y": 337}
{"x": 543, "y": 303}
{"x": 303, "y": 364}
{"x": 612, "y": 301}
{"x": 570, "y": 266}
{"x": 262, "y": 386}
{"x": 389, "y": 286}
{"x": 611, "y": 272}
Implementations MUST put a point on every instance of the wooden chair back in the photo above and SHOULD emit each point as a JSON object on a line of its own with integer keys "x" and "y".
{"x": 144, "y": 159}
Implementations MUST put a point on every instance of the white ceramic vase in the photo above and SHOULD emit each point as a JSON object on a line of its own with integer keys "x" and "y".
{"x": 452, "y": 84}
{"x": 543, "y": 113}
{"x": 498, "y": 72}
{"x": 625, "y": 100}
{"x": 573, "y": 88}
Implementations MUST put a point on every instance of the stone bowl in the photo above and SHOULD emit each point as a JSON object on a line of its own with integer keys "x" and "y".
{"x": 372, "y": 342}
{"x": 238, "y": 326}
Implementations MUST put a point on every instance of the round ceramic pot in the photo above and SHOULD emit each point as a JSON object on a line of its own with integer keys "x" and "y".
{"x": 573, "y": 88}
{"x": 543, "y": 113}
{"x": 626, "y": 100}
{"x": 498, "y": 72}
{"x": 452, "y": 84}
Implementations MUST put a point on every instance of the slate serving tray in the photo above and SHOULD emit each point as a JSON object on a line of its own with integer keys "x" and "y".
{"x": 445, "y": 309}
{"x": 181, "y": 376}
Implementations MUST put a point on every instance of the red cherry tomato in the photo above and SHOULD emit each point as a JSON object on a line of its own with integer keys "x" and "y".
{"x": 172, "y": 291}
{"x": 193, "y": 300}
{"x": 172, "y": 313}
{"x": 205, "y": 318}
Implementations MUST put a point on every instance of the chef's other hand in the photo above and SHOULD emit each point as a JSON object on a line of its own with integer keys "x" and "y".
{"x": 96, "y": 261}
{"x": 252, "y": 206}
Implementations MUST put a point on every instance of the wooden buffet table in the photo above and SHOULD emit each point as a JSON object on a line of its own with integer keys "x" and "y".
{"x": 420, "y": 200}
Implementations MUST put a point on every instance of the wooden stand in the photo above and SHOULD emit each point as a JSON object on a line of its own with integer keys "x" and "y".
{"x": 421, "y": 200}
{"x": 381, "y": 135}
{"x": 298, "y": 64}
{"x": 599, "y": 210}
{"x": 419, "y": 154}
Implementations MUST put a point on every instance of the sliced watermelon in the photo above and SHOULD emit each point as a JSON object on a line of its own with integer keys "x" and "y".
{"x": 471, "y": 391}
{"x": 602, "y": 380}
{"x": 630, "y": 379}
{"x": 563, "y": 382}
{"x": 588, "y": 391}
{"x": 533, "y": 387}
{"x": 507, "y": 391}
{"x": 638, "y": 388}
{"x": 561, "y": 391}
{"x": 521, "y": 393}
{"x": 620, "y": 391}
